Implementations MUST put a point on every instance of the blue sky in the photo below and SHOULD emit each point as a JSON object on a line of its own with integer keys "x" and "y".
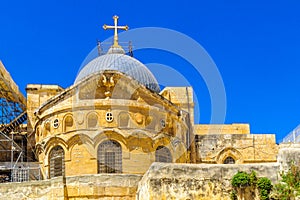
{"x": 255, "y": 45}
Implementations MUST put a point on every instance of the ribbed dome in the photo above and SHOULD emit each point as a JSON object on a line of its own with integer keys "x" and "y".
{"x": 121, "y": 63}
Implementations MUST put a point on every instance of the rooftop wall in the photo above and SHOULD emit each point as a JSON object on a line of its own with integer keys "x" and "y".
{"x": 203, "y": 129}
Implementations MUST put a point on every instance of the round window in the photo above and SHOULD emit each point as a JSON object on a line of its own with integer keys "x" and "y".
{"x": 55, "y": 123}
{"x": 109, "y": 117}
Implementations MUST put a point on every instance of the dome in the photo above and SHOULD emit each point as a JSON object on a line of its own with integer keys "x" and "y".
{"x": 122, "y": 63}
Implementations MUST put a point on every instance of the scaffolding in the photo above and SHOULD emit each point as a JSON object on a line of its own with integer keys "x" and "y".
{"x": 13, "y": 130}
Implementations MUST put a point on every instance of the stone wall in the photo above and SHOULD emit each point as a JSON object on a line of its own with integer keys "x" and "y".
{"x": 181, "y": 97}
{"x": 204, "y": 129}
{"x": 196, "y": 181}
{"x": 78, "y": 187}
{"x": 289, "y": 153}
{"x": 109, "y": 186}
{"x": 243, "y": 148}
{"x": 37, "y": 94}
{"x": 47, "y": 189}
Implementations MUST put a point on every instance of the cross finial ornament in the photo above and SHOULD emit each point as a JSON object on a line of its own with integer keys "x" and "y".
{"x": 115, "y": 27}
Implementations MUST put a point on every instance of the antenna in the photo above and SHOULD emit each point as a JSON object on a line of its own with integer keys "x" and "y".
{"x": 130, "y": 49}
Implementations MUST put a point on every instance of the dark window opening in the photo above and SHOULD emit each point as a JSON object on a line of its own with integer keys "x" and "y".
{"x": 57, "y": 162}
{"x": 229, "y": 160}
{"x": 163, "y": 154}
{"x": 109, "y": 157}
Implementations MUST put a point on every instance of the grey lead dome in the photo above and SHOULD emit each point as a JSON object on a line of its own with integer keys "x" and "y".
{"x": 122, "y": 63}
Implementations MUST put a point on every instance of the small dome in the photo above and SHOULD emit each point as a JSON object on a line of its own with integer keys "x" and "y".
{"x": 122, "y": 63}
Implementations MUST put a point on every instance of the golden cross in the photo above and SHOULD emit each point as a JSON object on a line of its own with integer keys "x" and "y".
{"x": 116, "y": 27}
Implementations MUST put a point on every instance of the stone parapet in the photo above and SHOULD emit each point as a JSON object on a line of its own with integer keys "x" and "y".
{"x": 100, "y": 186}
{"x": 196, "y": 181}
{"x": 204, "y": 129}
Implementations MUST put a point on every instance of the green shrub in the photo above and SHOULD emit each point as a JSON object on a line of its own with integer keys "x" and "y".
{"x": 252, "y": 178}
{"x": 241, "y": 179}
{"x": 289, "y": 187}
{"x": 264, "y": 186}
{"x": 292, "y": 177}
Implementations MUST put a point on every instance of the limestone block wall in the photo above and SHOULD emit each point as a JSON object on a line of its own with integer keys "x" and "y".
{"x": 196, "y": 181}
{"x": 204, "y": 129}
{"x": 37, "y": 94}
{"x": 243, "y": 148}
{"x": 78, "y": 187}
{"x": 104, "y": 186}
{"x": 48, "y": 189}
{"x": 182, "y": 97}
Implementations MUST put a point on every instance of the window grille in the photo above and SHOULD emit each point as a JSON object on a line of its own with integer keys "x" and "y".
{"x": 20, "y": 174}
{"x": 109, "y": 157}
{"x": 109, "y": 117}
{"x": 57, "y": 164}
{"x": 163, "y": 154}
{"x": 229, "y": 160}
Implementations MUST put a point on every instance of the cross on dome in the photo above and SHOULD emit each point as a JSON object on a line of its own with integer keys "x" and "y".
{"x": 115, "y": 27}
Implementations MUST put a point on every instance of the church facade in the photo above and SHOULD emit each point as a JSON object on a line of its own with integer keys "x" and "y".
{"x": 116, "y": 120}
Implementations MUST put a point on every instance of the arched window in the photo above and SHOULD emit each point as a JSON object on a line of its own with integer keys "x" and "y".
{"x": 229, "y": 160}
{"x": 123, "y": 120}
{"x": 92, "y": 120}
{"x": 163, "y": 154}
{"x": 68, "y": 123}
{"x": 57, "y": 162}
{"x": 109, "y": 157}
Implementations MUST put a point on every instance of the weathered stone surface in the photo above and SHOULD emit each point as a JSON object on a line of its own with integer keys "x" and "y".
{"x": 196, "y": 181}
{"x": 242, "y": 147}
{"x": 117, "y": 186}
{"x": 161, "y": 181}
{"x": 289, "y": 153}
{"x": 48, "y": 189}
{"x": 204, "y": 129}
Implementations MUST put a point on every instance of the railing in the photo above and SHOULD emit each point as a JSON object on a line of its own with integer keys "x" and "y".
{"x": 25, "y": 174}
{"x": 103, "y": 47}
{"x": 293, "y": 136}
